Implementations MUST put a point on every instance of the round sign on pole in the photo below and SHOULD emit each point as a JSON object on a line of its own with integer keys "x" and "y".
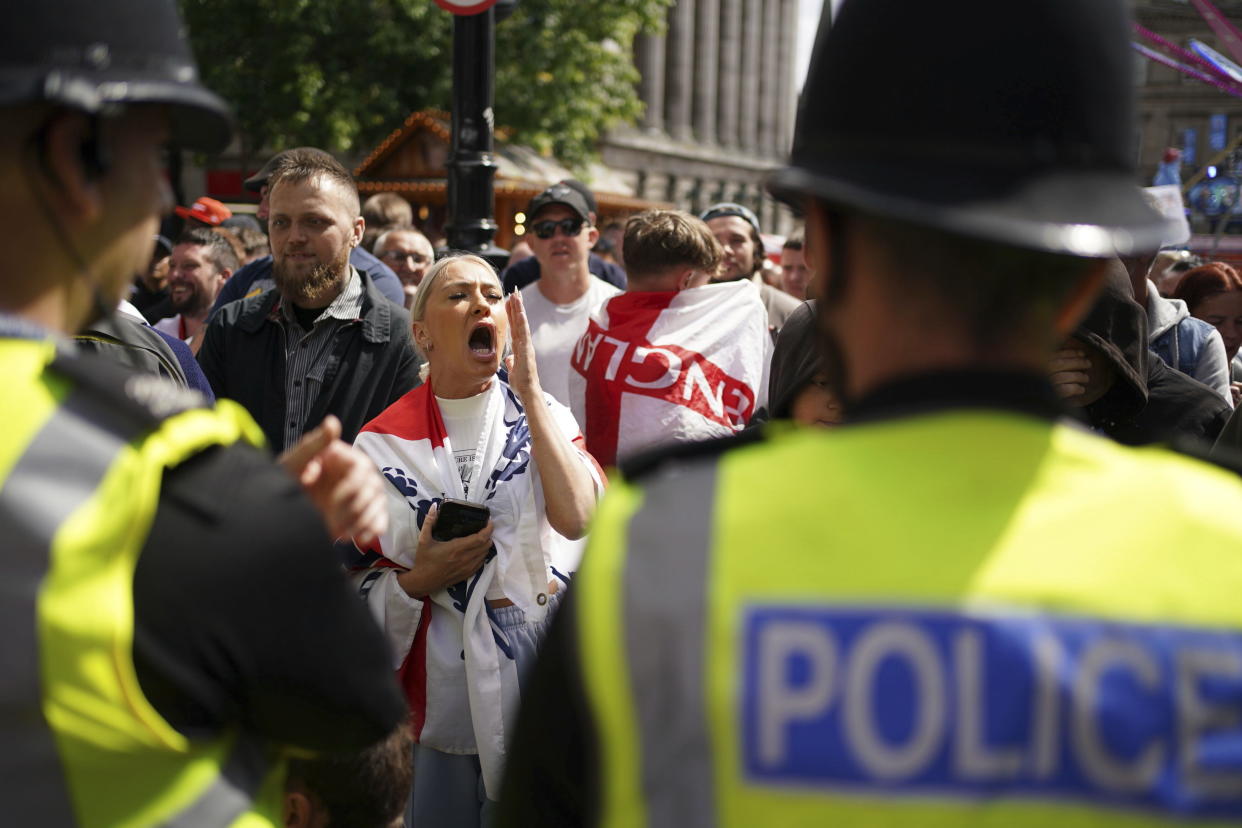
{"x": 465, "y": 7}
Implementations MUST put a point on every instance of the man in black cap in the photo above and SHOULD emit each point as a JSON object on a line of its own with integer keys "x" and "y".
{"x": 524, "y": 271}
{"x": 559, "y": 305}
{"x": 953, "y": 609}
{"x": 256, "y": 276}
{"x": 736, "y": 227}
{"x": 173, "y": 610}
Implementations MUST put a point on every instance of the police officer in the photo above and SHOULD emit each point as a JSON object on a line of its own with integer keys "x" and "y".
{"x": 955, "y": 609}
{"x": 172, "y": 608}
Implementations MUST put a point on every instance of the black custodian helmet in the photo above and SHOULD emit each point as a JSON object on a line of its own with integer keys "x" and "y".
{"x": 1012, "y": 124}
{"x": 92, "y": 54}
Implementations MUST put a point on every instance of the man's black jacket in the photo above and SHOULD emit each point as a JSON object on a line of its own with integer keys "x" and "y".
{"x": 372, "y": 363}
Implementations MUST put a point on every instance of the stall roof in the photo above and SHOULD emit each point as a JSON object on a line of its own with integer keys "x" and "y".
{"x": 413, "y": 159}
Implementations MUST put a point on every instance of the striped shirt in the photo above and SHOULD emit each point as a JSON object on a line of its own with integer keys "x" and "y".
{"x": 307, "y": 352}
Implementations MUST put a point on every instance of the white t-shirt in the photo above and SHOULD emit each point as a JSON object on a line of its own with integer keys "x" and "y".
{"x": 556, "y": 329}
{"x": 171, "y": 325}
{"x": 463, "y": 419}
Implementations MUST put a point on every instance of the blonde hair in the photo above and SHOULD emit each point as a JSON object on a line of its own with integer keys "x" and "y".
{"x": 418, "y": 308}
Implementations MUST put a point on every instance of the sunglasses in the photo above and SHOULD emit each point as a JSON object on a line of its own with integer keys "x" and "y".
{"x": 547, "y": 229}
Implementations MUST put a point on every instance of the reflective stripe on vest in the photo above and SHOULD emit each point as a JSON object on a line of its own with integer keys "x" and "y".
{"x": 35, "y": 499}
{"x": 82, "y": 744}
{"x": 645, "y": 683}
{"x": 232, "y": 793}
{"x": 668, "y": 671}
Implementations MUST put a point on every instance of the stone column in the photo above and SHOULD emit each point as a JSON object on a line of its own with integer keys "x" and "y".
{"x": 748, "y": 103}
{"x": 787, "y": 92}
{"x": 706, "y": 64}
{"x": 730, "y": 66}
{"x": 679, "y": 89}
{"x": 649, "y": 55}
{"x": 769, "y": 77}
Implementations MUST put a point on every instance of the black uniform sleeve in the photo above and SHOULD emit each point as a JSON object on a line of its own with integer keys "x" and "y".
{"x": 552, "y": 773}
{"x": 242, "y": 614}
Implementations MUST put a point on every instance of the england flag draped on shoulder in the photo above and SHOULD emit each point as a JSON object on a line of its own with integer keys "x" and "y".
{"x": 452, "y": 639}
{"x": 663, "y": 367}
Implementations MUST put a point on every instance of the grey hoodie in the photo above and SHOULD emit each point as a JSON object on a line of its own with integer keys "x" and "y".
{"x": 1163, "y": 317}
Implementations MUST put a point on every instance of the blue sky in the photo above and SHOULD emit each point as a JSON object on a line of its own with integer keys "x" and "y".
{"x": 808, "y": 21}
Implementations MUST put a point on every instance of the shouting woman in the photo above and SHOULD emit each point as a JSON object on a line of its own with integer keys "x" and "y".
{"x": 465, "y": 615}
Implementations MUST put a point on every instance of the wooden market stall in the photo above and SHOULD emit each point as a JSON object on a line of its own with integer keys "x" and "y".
{"x": 411, "y": 162}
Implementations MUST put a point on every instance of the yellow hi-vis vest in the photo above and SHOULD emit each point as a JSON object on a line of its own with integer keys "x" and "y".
{"x": 80, "y": 475}
{"x": 969, "y": 618}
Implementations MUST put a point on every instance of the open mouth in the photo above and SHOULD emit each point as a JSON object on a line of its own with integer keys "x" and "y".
{"x": 482, "y": 341}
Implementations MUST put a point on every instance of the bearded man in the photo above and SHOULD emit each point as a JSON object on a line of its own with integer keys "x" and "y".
{"x": 323, "y": 340}
{"x": 201, "y": 262}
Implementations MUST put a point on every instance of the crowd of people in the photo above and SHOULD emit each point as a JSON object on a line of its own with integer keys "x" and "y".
{"x": 314, "y": 521}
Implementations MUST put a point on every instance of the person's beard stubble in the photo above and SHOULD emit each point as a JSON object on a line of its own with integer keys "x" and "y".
{"x": 319, "y": 287}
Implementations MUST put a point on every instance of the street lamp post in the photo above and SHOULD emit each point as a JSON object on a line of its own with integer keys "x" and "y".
{"x": 471, "y": 163}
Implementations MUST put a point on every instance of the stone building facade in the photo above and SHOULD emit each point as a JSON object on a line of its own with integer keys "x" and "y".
{"x": 1175, "y": 110}
{"x": 720, "y": 101}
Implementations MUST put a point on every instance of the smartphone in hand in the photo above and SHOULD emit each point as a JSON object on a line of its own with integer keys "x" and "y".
{"x": 458, "y": 518}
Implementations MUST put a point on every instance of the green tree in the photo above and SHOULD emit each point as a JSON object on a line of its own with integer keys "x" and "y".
{"x": 341, "y": 74}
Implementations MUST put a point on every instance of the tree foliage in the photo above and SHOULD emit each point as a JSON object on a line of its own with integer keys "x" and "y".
{"x": 341, "y": 74}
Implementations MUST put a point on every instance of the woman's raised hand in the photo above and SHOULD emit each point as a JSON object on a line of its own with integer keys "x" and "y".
{"x": 523, "y": 374}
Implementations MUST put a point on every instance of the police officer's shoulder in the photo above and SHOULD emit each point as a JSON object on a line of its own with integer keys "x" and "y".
{"x": 1222, "y": 456}
{"x": 138, "y": 401}
{"x": 133, "y": 344}
{"x": 646, "y": 463}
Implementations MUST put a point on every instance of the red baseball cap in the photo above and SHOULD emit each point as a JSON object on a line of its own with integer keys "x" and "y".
{"x": 206, "y": 210}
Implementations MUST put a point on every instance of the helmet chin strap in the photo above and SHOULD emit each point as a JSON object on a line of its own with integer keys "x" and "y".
{"x": 836, "y": 279}
{"x": 100, "y": 309}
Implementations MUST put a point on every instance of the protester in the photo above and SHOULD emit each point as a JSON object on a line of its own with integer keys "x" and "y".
{"x": 561, "y": 302}
{"x": 1122, "y": 389}
{"x": 255, "y": 244}
{"x": 464, "y": 616}
{"x": 174, "y": 612}
{"x": 201, "y": 262}
{"x": 737, "y": 229}
{"x": 795, "y": 275}
{"x": 1185, "y": 343}
{"x": 1169, "y": 267}
{"x": 603, "y": 249}
{"x": 675, "y": 358}
{"x": 149, "y": 293}
{"x": 1213, "y": 293}
{"x": 521, "y": 273}
{"x": 799, "y": 386}
{"x": 324, "y": 340}
{"x": 204, "y": 212}
{"x": 367, "y": 788}
{"x": 409, "y": 254}
{"x": 953, "y": 609}
{"x": 520, "y": 250}
{"x": 614, "y": 233}
{"x": 256, "y": 276}
{"x": 381, "y": 212}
